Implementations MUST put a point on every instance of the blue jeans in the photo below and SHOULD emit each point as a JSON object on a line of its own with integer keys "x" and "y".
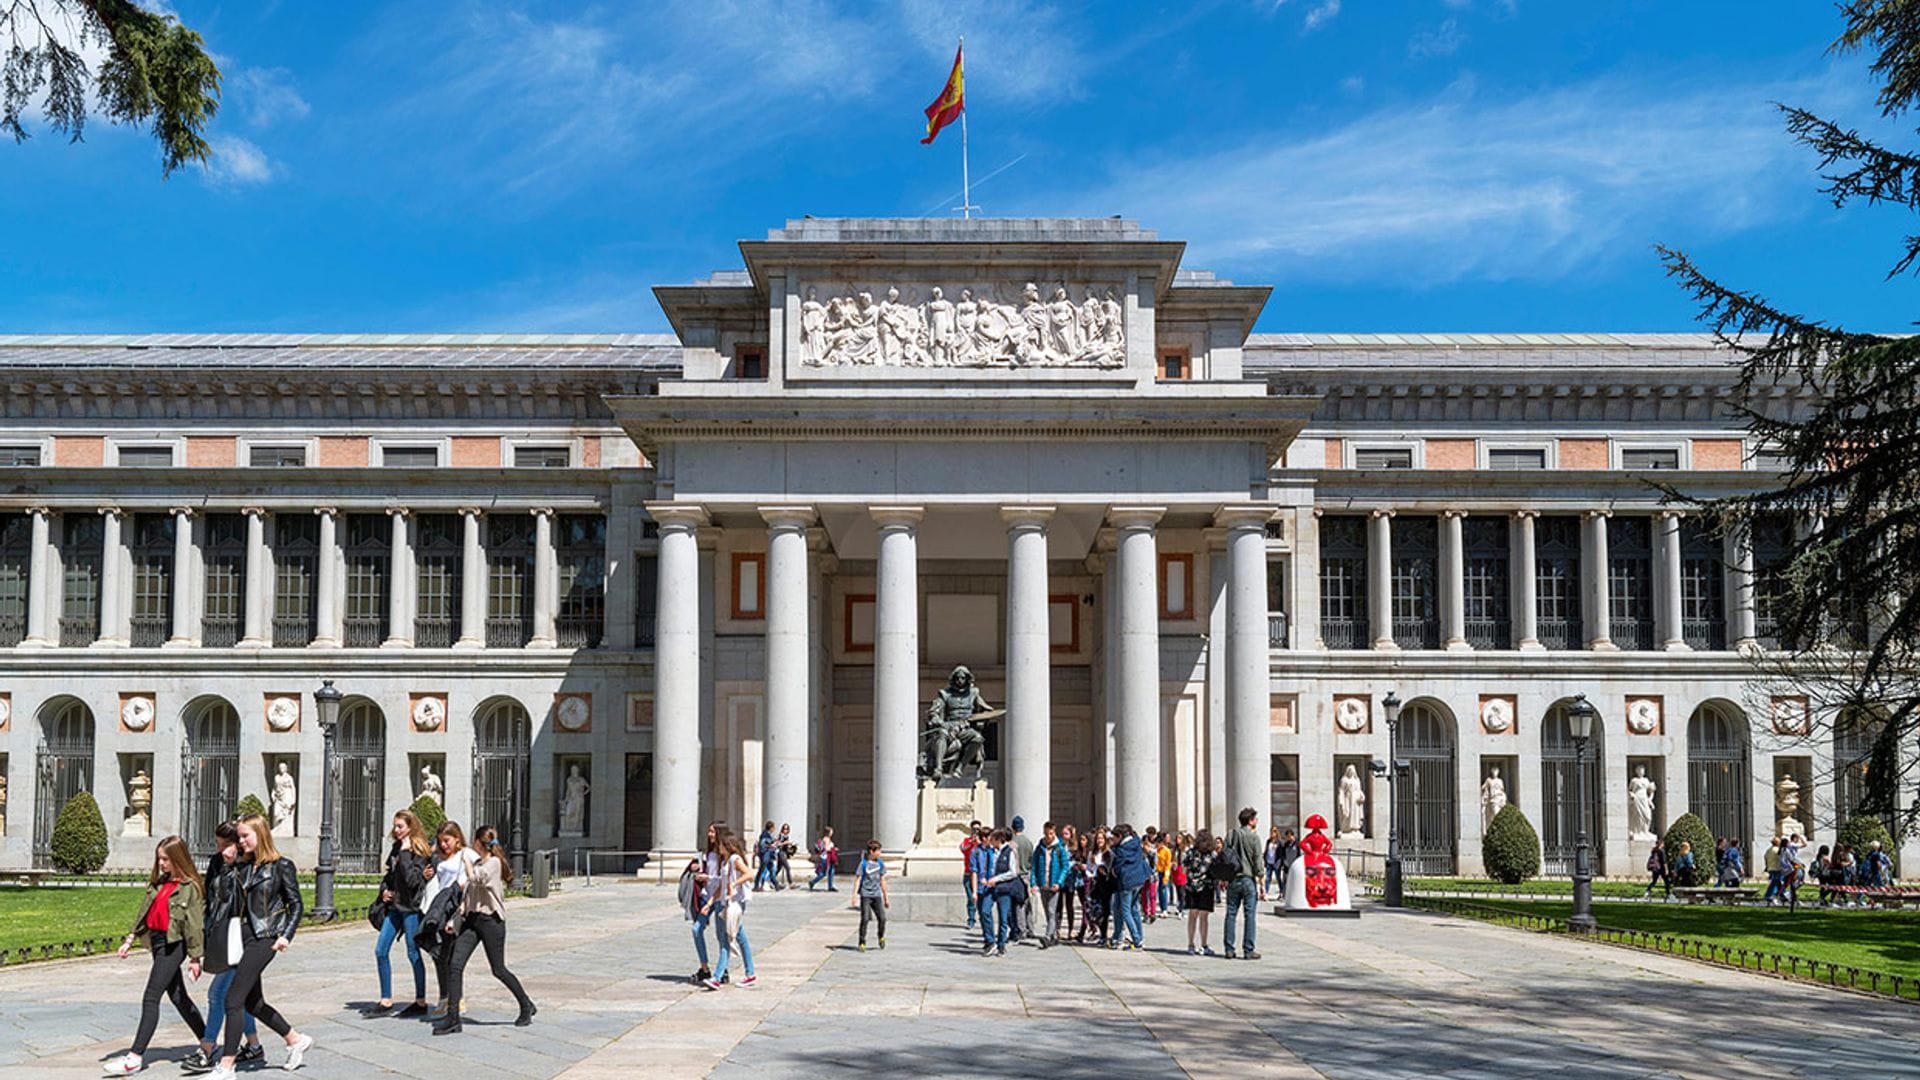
{"x": 394, "y": 925}
{"x": 993, "y": 903}
{"x": 1241, "y": 894}
{"x": 973, "y": 905}
{"x": 217, "y": 1011}
{"x": 700, "y": 922}
{"x": 825, "y": 871}
{"x": 1126, "y": 915}
{"x": 731, "y": 930}
{"x": 1774, "y": 881}
{"x": 1274, "y": 876}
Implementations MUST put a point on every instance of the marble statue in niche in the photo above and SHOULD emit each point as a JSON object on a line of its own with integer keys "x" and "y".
{"x": 851, "y": 329}
{"x": 286, "y": 798}
{"x": 573, "y": 804}
{"x": 431, "y": 786}
{"x": 1640, "y": 804}
{"x": 1351, "y": 804}
{"x": 1493, "y": 798}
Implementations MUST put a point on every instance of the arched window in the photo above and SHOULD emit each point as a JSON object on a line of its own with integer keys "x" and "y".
{"x": 1719, "y": 778}
{"x": 209, "y": 771}
{"x": 63, "y": 767}
{"x": 360, "y": 751}
{"x": 1559, "y": 810}
{"x": 502, "y": 764}
{"x": 1425, "y": 796}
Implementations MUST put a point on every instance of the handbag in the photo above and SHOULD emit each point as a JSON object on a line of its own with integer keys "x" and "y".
{"x": 234, "y": 945}
{"x": 377, "y": 914}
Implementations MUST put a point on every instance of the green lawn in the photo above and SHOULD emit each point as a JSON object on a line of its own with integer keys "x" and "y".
{"x": 44, "y": 915}
{"x": 1561, "y": 887}
{"x": 1888, "y": 942}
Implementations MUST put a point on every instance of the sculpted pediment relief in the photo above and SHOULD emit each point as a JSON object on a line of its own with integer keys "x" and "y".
{"x": 923, "y": 325}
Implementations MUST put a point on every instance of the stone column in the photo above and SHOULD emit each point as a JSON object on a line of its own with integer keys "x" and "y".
{"x": 789, "y": 695}
{"x": 1303, "y": 573}
{"x": 183, "y": 580}
{"x": 1028, "y": 747}
{"x": 253, "y": 627}
{"x": 1137, "y": 725}
{"x": 1666, "y": 579}
{"x": 473, "y": 581}
{"x": 1738, "y": 551}
{"x": 40, "y": 586}
{"x": 400, "y": 585}
{"x": 1249, "y": 742}
{"x": 1526, "y": 582}
{"x": 115, "y": 588}
{"x": 1453, "y": 581}
{"x": 546, "y": 583}
{"x": 677, "y": 763}
{"x": 1596, "y": 611}
{"x": 326, "y": 602}
{"x": 896, "y": 676}
{"x": 1380, "y": 577}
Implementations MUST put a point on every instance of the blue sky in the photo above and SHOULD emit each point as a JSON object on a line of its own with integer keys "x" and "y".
{"x": 1441, "y": 165}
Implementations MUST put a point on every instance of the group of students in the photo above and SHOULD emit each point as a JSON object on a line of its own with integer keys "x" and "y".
{"x": 232, "y": 920}
{"x": 774, "y": 853}
{"x": 1837, "y": 870}
{"x": 1117, "y": 879}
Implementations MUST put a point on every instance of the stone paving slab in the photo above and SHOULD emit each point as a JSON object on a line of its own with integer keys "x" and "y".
{"x": 1393, "y": 995}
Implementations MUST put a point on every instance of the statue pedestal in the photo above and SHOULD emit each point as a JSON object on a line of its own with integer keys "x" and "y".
{"x": 136, "y": 824}
{"x": 283, "y": 826}
{"x": 946, "y": 809}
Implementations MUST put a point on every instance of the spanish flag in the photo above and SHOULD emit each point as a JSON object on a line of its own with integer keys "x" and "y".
{"x": 950, "y": 104}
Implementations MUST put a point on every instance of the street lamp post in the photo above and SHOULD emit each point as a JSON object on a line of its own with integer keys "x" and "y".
{"x": 1390, "y": 705}
{"x": 326, "y": 705}
{"x": 1580, "y": 714}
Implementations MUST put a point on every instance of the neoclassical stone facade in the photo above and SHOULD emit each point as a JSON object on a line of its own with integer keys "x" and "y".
{"x": 718, "y": 573}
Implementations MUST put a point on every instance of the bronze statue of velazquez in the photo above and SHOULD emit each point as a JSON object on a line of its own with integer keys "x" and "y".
{"x": 952, "y": 741}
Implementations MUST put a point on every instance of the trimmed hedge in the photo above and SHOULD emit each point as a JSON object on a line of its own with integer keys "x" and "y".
{"x": 79, "y": 841}
{"x": 1511, "y": 849}
{"x": 1860, "y": 831}
{"x": 250, "y": 805}
{"x": 1690, "y": 828}
{"x": 430, "y": 815}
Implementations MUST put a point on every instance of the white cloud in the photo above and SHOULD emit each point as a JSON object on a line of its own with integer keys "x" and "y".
{"x": 1321, "y": 15}
{"x": 1020, "y": 51}
{"x": 1443, "y": 40}
{"x": 1468, "y": 187}
{"x": 239, "y": 163}
{"x": 268, "y": 96}
{"x": 1353, "y": 85}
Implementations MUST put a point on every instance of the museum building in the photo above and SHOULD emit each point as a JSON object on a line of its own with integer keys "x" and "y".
{"x": 600, "y": 589}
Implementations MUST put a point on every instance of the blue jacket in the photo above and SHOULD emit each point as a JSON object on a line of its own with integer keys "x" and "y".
{"x": 980, "y": 864}
{"x": 1130, "y": 864}
{"x": 1050, "y": 863}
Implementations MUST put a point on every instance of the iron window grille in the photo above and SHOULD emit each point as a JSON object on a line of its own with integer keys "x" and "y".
{"x": 1415, "y": 582}
{"x": 369, "y": 555}
{"x": 80, "y": 558}
{"x": 224, "y": 593}
{"x": 16, "y": 576}
{"x": 438, "y": 560}
{"x": 152, "y": 555}
{"x": 1559, "y": 810}
{"x": 1650, "y": 458}
{"x": 296, "y": 562}
{"x": 1630, "y": 582}
{"x": 582, "y": 555}
{"x": 542, "y": 457}
{"x": 1703, "y": 594}
{"x": 12, "y": 457}
{"x": 510, "y": 542}
{"x": 1489, "y": 620}
{"x": 1343, "y": 582}
{"x": 1556, "y": 582}
{"x": 646, "y": 598}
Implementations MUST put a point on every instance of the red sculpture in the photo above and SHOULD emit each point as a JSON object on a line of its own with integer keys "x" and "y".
{"x": 1316, "y": 857}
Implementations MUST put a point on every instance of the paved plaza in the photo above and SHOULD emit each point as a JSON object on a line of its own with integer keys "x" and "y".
{"x": 1398, "y": 994}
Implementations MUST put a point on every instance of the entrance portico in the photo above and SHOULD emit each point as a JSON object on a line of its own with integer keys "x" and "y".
{"x": 883, "y": 510}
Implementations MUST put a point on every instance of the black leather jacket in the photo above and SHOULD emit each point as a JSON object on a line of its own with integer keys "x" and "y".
{"x": 270, "y": 896}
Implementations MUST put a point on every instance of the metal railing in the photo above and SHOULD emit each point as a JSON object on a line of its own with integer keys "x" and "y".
{"x": 76, "y": 632}
{"x": 1416, "y": 633}
{"x": 364, "y": 631}
{"x": 148, "y": 631}
{"x": 1707, "y": 634}
{"x": 292, "y": 631}
{"x": 1559, "y": 634}
{"x": 433, "y": 631}
{"x": 13, "y": 629}
{"x": 1345, "y": 633}
{"x": 578, "y": 632}
{"x": 508, "y": 632}
{"x": 1489, "y": 633}
{"x": 1276, "y": 630}
{"x": 220, "y": 631}
{"x": 583, "y": 862}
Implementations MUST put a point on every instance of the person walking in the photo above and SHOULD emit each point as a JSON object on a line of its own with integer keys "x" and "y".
{"x": 1683, "y": 864}
{"x": 1102, "y": 886}
{"x": 1879, "y": 867}
{"x": 870, "y": 893}
{"x": 1272, "y": 857}
{"x": 483, "y": 924}
{"x": 1051, "y": 867}
{"x": 1657, "y": 872}
{"x": 270, "y": 909}
{"x": 400, "y": 890}
{"x": 826, "y": 858}
{"x": 784, "y": 849}
{"x": 1243, "y": 849}
{"x": 765, "y": 859}
{"x": 730, "y": 903}
{"x": 967, "y": 884}
{"x": 703, "y": 880}
{"x": 1289, "y": 851}
{"x": 1200, "y": 888}
{"x": 222, "y": 909}
{"x": 453, "y": 859}
{"x": 170, "y": 922}
{"x": 1132, "y": 874}
{"x": 1002, "y": 874}
{"x": 1018, "y": 894}
{"x": 1771, "y": 863}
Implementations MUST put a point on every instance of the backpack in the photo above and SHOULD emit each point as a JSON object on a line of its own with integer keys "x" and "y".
{"x": 1226, "y": 864}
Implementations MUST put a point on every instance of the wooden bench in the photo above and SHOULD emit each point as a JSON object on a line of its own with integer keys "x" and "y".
{"x": 1716, "y": 895}
{"x": 23, "y": 877}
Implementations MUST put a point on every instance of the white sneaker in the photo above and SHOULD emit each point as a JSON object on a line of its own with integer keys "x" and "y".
{"x": 124, "y": 1065}
{"x": 296, "y": 1051}
{"x": 220, "y": 1072}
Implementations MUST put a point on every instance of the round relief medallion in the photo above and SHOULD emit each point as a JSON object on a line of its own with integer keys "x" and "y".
{"x": 6, "y": 711}
{"x": 571, "y": 714}
{"x": 137, "y": 713}
{"x": 428, "y": 714}
{"x": 283, "y": 713}
{"x": 1496, "y": 715}
{"x": 1642, "y": 717}
{"x": 1351, "y": 715}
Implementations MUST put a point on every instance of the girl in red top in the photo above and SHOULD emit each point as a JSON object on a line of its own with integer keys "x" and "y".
{"x": 170, "y": 920}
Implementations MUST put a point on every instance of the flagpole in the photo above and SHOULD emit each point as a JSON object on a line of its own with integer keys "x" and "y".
{"x": 966, "y": 188}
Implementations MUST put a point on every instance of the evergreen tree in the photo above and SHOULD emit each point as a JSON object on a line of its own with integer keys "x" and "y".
{"x": 430, "y": 814}
{"x": 79, "y": 841}
{"x": 250, "y": 806}
{"x": 1841, "y": 409}
{"x": 1511, "y": 849}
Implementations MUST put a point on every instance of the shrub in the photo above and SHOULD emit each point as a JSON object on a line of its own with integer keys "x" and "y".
{"x": 79, "y": 842}
{"x": 430, "y": 815}
{"x": 250, "y": 805}
{"x": 1511, "y": 849}
{"x": 1690, "y": 828}
{"x": 1860, "y": 831}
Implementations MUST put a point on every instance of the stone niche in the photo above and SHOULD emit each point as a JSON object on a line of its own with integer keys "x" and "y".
{"x": 3, "y": 794}
{"x": 423, "y": 770}
{"x": 1791, "y": 791}
{"x": 284, "y": 821}
{"x": 1656, "y": 770}
{"x": 1508, "y": 787}
{"x": 1363, "y": 768}
{"x": 136, "y": 779}
{"x": 572, "y": 795}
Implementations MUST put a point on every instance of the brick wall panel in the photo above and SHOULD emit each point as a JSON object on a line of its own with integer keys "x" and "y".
{"x": 1583, "y": 454}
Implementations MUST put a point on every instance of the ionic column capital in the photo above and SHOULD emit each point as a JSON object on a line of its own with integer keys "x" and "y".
{"x": 671, "y": 515}
{"x": 788, "y": 517}
{"x": 1026, "y": 517}
{"x": 110, "y": 511}
{"x": 1242, "y": 517}
{"x": 1380, "y": 512}
{"x": 180, "y": 511}
{"x": 897, "y": 517}
{"x": 540, "y": 511}
{"x": 326, "y": 511}
{"x": 1135, "y": 517}
{"x": 1527, "y": 515}
{"x": 1461, "y": 514}
{"x": 472, "y": 512}
{"x": 1670, "y": 512}
{"x": 1591, "y": 515}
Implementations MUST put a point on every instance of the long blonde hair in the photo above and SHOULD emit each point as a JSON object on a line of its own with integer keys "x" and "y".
{"x": 449, "y": 828}
{"x": 417, "y": 841}
{"x": 263, "y": 849}
{"x": 179, "y": 859}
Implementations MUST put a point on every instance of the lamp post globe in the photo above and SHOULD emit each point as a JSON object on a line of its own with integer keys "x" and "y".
{"x": 326, "y": 706}
{"x": 1580, "y": 717}
{"x": 1395, "y": 885}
